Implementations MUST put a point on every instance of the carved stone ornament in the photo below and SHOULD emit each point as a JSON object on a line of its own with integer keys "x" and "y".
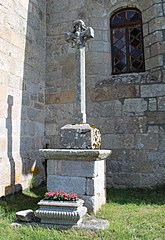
{"x": 80, "y": 34}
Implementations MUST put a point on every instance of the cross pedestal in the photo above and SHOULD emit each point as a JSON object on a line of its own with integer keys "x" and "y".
{"x": 81, "y": 171}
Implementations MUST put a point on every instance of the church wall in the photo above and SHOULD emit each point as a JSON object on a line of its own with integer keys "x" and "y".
{"x": 128, "y": 108}
{"x": 22, "y": 70}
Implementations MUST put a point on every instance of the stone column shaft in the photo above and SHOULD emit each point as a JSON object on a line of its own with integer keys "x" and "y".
{"x": 80, "y": 75}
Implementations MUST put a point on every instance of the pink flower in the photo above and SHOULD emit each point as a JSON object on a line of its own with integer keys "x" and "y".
{"x": 61, "y": 196}
{"x": 51, "y": 194}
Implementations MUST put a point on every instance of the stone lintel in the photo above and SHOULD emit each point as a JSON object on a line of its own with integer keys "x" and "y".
{"x": 75, "y": 154}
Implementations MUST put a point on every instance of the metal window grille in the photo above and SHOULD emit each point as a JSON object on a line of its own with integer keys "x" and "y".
{"x": 127, "y": 42}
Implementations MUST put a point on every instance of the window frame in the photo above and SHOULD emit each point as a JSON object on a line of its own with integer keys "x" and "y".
{"x": 127, "y": 27}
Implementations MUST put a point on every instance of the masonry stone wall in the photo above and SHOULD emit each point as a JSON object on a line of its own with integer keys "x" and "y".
{"x": 22, "y": 86}
{"x": 38, "y": 90}
{"x": 129, "y": 108}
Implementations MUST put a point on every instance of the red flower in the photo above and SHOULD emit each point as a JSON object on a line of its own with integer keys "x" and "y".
{"x": 61, "y": 196}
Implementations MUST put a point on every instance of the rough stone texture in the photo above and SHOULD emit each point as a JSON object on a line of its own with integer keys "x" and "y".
{"x": 78, "y": 171}
{"x": 67, "y": 184}
{"x": 22, "y": 68}
{"x": 84, "y": 169}
{"x": 128, "y": 108}
{"x": 38, "y": 71}
{"x": 80, "y": 136}
{"x": 25, "y": 215}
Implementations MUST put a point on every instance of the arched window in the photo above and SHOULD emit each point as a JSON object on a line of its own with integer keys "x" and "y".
{"x": 127, "y": 41}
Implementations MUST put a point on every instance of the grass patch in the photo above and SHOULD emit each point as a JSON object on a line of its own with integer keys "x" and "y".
{"x": 133, "y": 214}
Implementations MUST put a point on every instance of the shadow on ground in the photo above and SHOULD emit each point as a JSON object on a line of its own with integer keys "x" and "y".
{"x": 29, "y": 198}
{"x": 21, "y": 201}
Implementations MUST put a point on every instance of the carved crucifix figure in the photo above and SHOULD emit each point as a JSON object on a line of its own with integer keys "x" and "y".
{"x": 78, "y": 38}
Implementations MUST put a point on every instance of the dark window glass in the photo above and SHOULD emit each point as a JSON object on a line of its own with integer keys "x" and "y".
{"x": 127, "y": 41}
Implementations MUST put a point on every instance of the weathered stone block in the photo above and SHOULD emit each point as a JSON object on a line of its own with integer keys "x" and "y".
{"x": 99, "y": 23}
{"x": 88, "y": 169}
{"x": 35, "y": 115}
{"x": 55, "y": 7}
{"x": 120, "y": 180}
{"x": 95, "y": 185}
{"x": 162, "y": 138}
{"x": 156, "y": 118}
{"x": 133, "y": 107}
{"x": 125, "y": 91}
{"x": 75, "y": 154}
{"x": 130, "y": 125}
{"x": 138, "y": 166}
{"x": 80, "y": 136}
{"x": 106, "y": 125}
{"x": 154, "y": 62}
{"x": 101, "y": 94}
{"x": 157, "y": 48}
{"x": 76, "y": 168}
{"x": 110, "y": 92}
{"x": 161, "y": 103}
{"x": 60, "y": 98}
{"x": 25, "y": 215}
{"x": 156, "y": 24}
{"x": 66, "y": 184}
{"x": 111, "y": 108}
{"x": 93, "y": 203}
{"x": 51, "y": 129}
{"x": 72, "y": 168}
{"x": 146, "y": 141}
{"x": 153, "y": 129}
{"x": 100, "y": 167}
{"x": 151, "y": 180}
{"x": 115, "y": 141}
{"x": 153, "y": 90}
{"x": 152, "y": 105}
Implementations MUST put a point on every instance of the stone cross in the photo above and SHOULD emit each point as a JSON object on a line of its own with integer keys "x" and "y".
{"x": 78, "y": 38}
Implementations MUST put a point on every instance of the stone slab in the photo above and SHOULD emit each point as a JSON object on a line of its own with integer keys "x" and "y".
{"x": 87, "y": 169}
{"x": 88, "y": 223}
{"x": 75, "y": 154}
{"x": 71, "y": 168}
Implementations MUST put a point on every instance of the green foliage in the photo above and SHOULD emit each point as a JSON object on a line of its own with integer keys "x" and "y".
{"x": 133, "y": 215}
{"x": 32, "y": 182}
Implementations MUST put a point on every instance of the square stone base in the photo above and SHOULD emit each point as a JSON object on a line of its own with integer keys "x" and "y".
{"x": 78, "y": 171}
